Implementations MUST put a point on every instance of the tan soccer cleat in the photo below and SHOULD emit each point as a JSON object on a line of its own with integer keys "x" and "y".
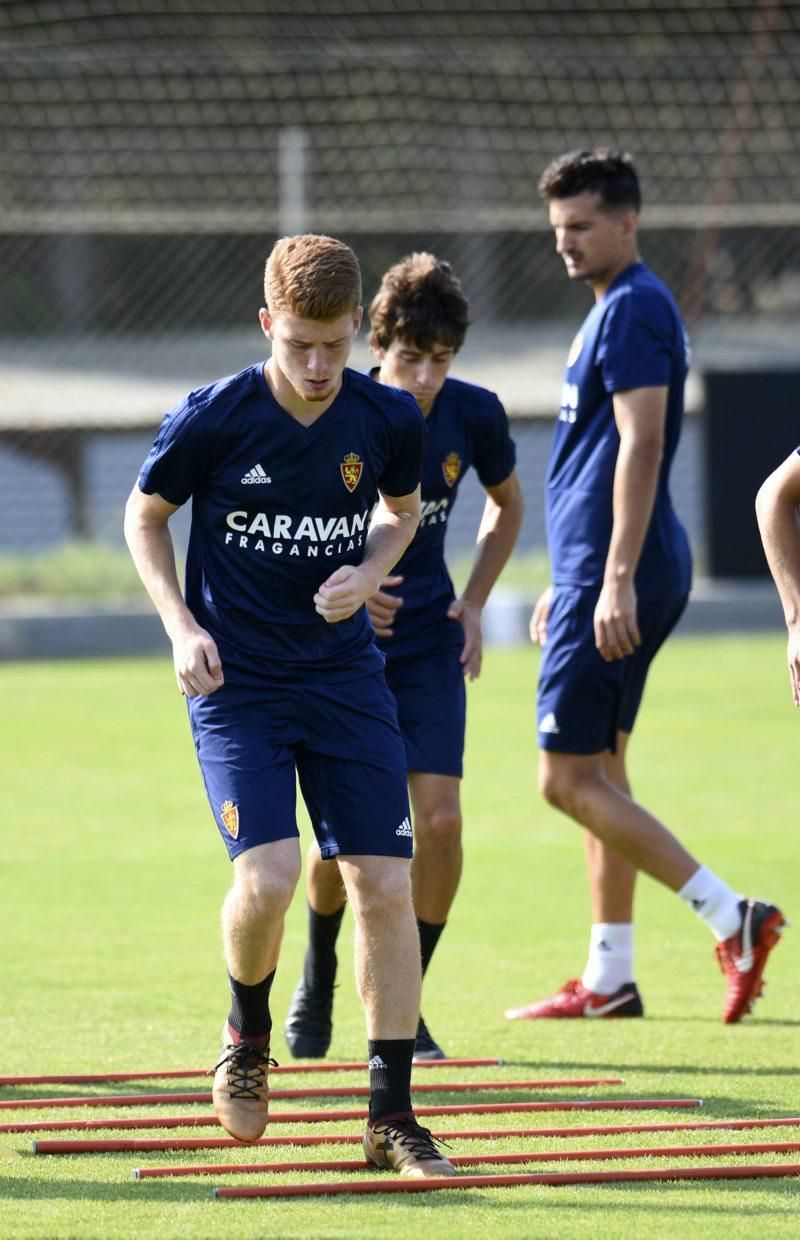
{"x": 240, "y": 1092}
{"x": 398, "y": 1143}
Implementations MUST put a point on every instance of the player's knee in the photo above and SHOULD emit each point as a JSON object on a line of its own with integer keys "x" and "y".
{"x": 384, "y": 893}
{"x": 440, "y": 829}
{"x": 267, "y": 892}
{"x": 558, "y": 788}
{"x": 569, "y": 789}
{"x": 550, "y": 785}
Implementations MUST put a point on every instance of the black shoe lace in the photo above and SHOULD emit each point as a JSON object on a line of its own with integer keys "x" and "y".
{"x": 413, "y": 1137}
{"x": 247, "y": 1069}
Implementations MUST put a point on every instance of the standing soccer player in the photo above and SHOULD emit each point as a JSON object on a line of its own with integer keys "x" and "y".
{"x": 621, "y": 576}
{"x": 778, "y": 511}
{"x": 275, "y": 653}
{"x": 431, "y": 640}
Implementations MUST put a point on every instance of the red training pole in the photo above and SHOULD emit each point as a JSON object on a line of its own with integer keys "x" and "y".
{"x": 325, "y": 1117}
{"x": 403, "y": 1184}
{"x": 475, "y": 1160}
{"x": 336, "y": 1091}
{"x": 174, "y": 1074}
{"x": 151, "y": 1145}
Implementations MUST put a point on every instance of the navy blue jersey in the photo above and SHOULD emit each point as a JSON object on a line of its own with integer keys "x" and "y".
{"x": 277, "y": 507}
{"x": 632, "y": 338}
{"x": 467, "y": 427}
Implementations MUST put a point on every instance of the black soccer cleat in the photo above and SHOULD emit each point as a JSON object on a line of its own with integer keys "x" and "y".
{"x": 425, "y": 1045}
{"x": 309, "y": 1024}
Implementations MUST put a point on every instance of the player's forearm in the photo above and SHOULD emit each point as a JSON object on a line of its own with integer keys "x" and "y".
{"x": 497, "y": 536}
{"x": 389, "y": 537}
{"x": 635, "y": 486}
{"x": 151, "y": 548}
{"x": 780, "y": 534}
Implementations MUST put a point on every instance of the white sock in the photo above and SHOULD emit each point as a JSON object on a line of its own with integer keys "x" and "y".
{"x": 714, "y": 902}
{"x": 610, "y": 962}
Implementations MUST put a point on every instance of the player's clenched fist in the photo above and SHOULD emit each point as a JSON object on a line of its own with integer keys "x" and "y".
{"x": 197, "y": 663}
{"x": 343, "y": 593}
{"x": 382, "y": 607}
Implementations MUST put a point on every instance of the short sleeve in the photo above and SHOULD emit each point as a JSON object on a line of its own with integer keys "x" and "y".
{"x": 177, "y": 463}
{"x": 494, "y": 452}
{"x": 636, "y": 343}
{"x": 403, "y": 468}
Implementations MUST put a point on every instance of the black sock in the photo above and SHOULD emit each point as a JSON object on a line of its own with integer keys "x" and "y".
{"x": 429, "y": 936}
{"x": 319, "y": 965}
{"x": 389, "y": 1076}
{"x": 250, "y": 1015}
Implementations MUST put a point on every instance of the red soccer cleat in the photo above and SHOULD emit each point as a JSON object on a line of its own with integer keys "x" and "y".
{"x": 743, "y": 956}
{"x": 575, "y": 1000}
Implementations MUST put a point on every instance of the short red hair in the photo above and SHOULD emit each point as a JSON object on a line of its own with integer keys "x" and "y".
{"x": 313, "y": 276}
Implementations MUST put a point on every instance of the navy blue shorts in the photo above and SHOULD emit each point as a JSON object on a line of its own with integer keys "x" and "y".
{"x": 431, "y": 709}
{"x": 582, "y": 700}
{"x": 343, "y": 741}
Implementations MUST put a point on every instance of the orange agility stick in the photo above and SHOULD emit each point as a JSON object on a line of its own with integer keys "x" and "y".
{"x": 174, "y": 1074}
{"x": 151, "y": 1145}
{"x": 475, "y": 1160}
{"x": 403, "y": 1184}
{"x": 325, "y": 1117}
{"x": 337, "y": 1091}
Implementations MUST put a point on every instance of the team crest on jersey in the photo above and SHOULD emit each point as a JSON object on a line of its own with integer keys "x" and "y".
{"x": 230, "y": 817}
{"x": 351, "y": 468}
{"x": 575, "y": 350}
{"x": 451, "y": 468}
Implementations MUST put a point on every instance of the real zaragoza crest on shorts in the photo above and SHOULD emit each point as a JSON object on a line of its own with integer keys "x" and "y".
{"x": 351, "y": 468}
{"x": 230, "y": 817}
{"x": 451, "y": 468}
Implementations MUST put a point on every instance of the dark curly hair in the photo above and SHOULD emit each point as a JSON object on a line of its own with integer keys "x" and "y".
{"x": 610, "y": 174}
{"x": 421, "y": 302}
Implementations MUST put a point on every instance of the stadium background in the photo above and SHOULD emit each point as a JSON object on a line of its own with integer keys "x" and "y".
{"x": 153, "y": 152}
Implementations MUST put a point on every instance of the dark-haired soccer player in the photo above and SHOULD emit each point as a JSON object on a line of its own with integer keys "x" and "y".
{"x": 621, "y": 575}
{"x": 778, "y": 509}
{"x": 431, "y": 639}
{"x": 275, "y": 653}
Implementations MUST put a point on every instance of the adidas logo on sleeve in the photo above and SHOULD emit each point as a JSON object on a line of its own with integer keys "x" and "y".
{"x": 405, "y": 828}
{"x": 256, "y": 476}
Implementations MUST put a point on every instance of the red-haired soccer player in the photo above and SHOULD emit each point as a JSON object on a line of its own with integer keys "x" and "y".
{"x": 274, "y": 651}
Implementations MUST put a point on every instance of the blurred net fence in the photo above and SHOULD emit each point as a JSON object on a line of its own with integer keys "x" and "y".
{"x": 152, "y": 152}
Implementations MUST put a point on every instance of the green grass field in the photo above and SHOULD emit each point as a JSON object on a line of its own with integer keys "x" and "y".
{"x": 113, "y": 876}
